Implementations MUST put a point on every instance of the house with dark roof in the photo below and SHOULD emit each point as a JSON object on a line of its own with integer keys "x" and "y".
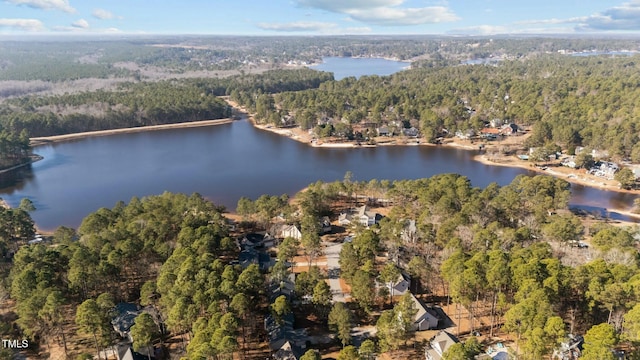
{"x": 400, "y": 286}
{"x": 125, "y": 315}
{"x": 282, "y": 332}
{"x": 384, "y": 131}
{"x": 127, "y": 353}
{"x": 411, "y": 132}
{"x": 247, "y": 257}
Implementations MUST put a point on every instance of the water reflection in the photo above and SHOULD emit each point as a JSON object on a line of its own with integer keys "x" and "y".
{"x": 226, "y": 162}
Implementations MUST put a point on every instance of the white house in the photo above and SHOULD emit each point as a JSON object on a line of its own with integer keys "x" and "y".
{"x": 400, "y": 286}
{"x": 344, "y": 219}
{"x": 361, "y": 215}
{"x": 290, "y": 231}
{"x": 425, "y": 319}
{"x": 439, "y": 344}
{"x": 366, "y": 217}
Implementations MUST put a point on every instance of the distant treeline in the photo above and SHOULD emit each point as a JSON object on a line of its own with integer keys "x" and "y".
{"x": 141, "y": 104}
{"x": 570, "y": 101}
{"x": 67, "y": 60}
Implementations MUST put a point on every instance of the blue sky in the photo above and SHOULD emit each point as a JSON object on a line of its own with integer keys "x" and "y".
{"x": 319, "y": 17}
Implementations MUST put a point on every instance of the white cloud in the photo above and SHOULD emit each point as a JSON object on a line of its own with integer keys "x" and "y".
{"x": 102, "y": 14}
{"x": 383, "y": 12}
{"x": 553, "y": 21}
{"x": 88, "y": 30}
{"x": 22, "y": 24}
{"x": 80, "y": 24}
{"x": 625, "y": 17}
{"x": 298, "y": 26}
{"x": 343, "y": 6}
{"x": 356, "y": 30}
{"x": 480, "y": 30}
{"x": 409, "y": 16}
{"x": 314, "y": 26}
{"x": 62, "y": 5}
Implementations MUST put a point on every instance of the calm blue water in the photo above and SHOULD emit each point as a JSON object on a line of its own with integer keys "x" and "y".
{"x": 224, "y": 163}
{"x": 343, "y": 67}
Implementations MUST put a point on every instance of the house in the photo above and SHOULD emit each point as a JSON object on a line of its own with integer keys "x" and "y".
{"x": 361, "y": 215}
{"x": 366, "y": 217}
{"x": 439, "y": 344}
{"x": 125, "y": 315}
{"x": 509, "y": 129}
{"x": 127, "y": 353}
{"x": 496, "y": 123}
{"x": 284, "y": 287}
{"x": 489, "y": 133}
{"x": 569, "y": 162}
{"x": 290, "y": 231}
{"x": 251, "y": 241}
{"x": 268, "y": 241}
{"x": 604, "y": 169}
{"x": 283, "y": 332}
{"x": 384, "y": 131}
{"x": 287, "y": 351}
{"x": 400, "y": 286}
{"x": 571, "y": 349}
{"x": 344, "y": 219}
{"x": 282, "y": 231}
{"x": 411, "y": 132}
{"x": 425, "y": 318}
{"x": 410, "y": 232}
{"x": 247, "y": 257}
{"x": 465, "y": 135}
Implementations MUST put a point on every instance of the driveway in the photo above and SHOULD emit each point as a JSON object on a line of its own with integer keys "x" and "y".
{"x": 332, "y": 254}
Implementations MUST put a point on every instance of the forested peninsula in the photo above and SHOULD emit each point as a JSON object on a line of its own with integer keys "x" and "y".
{"x": 501, "y": 262}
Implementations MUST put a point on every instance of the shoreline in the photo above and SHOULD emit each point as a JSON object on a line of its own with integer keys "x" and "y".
{"x": 38, "y": 141}
{"x": 574, "y": 178}
{"x": 301, "y": 136}
{"x": 33, "y": 158}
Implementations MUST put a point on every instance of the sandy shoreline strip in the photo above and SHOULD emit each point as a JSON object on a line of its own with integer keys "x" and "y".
{"x": 35, "y": 141}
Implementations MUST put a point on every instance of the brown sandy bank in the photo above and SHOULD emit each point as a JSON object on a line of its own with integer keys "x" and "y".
{"x": 35, "y": 141}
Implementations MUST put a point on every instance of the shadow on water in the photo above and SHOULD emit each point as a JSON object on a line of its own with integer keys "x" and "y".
{"x": 15, "y": 180}
{"x": 603, "y": 213}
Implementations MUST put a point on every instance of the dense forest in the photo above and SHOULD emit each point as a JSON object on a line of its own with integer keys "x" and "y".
{"x": 144, "y": 103}
{"x": 501, "y": 252}
{"x": 14, "y": 149}
{"x": 569, "y": 101}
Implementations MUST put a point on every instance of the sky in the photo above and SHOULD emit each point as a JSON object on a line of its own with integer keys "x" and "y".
{"x": 319, "y": 17}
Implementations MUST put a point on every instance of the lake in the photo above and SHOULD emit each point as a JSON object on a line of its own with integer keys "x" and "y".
{"x": 223, "y": 163}
{"x": 343, "y": 67}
